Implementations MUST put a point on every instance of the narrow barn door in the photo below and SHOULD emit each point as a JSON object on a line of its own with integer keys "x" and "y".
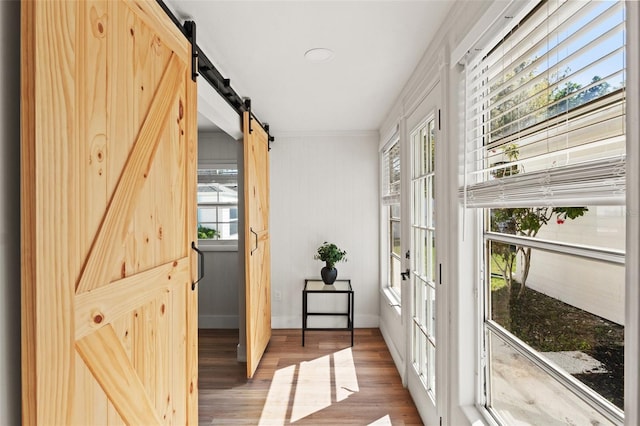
{"x": 109, "y": 331}
{"x": 257, "y": 243}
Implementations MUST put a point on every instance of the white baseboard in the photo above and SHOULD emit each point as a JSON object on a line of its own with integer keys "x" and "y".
{"x": 366, "y": 321}
{"x": 295, "y": 321}
{"x": 218, "y": 321}
{"x": 290, "y": 321}
{"x": 398, "y": 359}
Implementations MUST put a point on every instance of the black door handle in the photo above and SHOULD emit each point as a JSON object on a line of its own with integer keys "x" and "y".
{"x": 200, "y": 265}
{"x": 405, "y": 274}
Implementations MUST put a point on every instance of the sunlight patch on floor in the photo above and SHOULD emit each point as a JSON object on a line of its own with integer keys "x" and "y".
{"x": 382, "y": 421}
{"x": 345, "y": 374}
{"x": 275, "y": 407}
{"x": 310, "y": 385}
{"x": 313, "y": 388}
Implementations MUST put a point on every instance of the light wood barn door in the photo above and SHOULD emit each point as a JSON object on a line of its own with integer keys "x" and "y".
{"x": 109, "y": 144}
{"x": 257, "y": 244}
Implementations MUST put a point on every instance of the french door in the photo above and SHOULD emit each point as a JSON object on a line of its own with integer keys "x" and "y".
{"x": 423, "y": 367}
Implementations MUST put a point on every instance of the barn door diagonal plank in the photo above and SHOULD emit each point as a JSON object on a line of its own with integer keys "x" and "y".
{"x": 97, "y": 308}
{"x": 118, "y": 214}
{"x": 107, "y": 360}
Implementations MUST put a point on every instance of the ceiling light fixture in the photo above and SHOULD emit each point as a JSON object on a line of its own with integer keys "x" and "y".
{"x": 319, "y": 54}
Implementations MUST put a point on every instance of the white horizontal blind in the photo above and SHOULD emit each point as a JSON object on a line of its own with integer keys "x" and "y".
{"x": 391, "y": 175}
{"x": 546, "y": 110}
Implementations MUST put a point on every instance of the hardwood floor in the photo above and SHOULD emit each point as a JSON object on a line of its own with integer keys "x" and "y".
{"x": 324, "y": 383}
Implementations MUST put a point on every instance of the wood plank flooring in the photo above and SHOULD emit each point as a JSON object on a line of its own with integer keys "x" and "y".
{"x": 324, "y": 383}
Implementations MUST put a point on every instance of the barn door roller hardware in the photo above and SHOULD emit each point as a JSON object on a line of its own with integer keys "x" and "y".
{"x": 190, "y": 28}
{"x": 269, "y": 137}
{"x": 247, "y": 105}
{"x": 265, "y": 126}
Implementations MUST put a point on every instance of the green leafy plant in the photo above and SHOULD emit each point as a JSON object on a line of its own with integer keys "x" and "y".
{"x": 205, "y": 233}
{"x": 330, "y": 253}
{"x": 525, "y": 221}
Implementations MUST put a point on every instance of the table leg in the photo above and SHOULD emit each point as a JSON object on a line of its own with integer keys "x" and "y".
{"x": 304, "y": 315}
{"x": 351, "y": 311}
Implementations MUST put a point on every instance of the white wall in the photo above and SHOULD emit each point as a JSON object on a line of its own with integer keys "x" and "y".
{"x": 10, "y": 389}
{"x": 217, "y": 147}
{"x": 218, "y": 304}
{"x": 218, "y": 292}
{"x": 324, "y": 187}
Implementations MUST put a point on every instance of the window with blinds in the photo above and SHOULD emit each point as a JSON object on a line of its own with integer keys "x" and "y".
{"x": 544, "y": 145}
{"x": 391, "y": 175}
{"x": 391, "y": 217}
{"x": 546, "y": 110}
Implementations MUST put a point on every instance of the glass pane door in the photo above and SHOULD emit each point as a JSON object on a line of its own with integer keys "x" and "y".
{"x": 423, "y": 234}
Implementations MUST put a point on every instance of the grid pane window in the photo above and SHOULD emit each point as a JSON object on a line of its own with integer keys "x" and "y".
{"x": 552, "y": 295}
{"x": 217, "y": 204}
{"x": 391, "y": 168}
{"x": 395, "y": 264}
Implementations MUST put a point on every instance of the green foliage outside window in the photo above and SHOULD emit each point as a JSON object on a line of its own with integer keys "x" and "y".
{"x": 205, "y": 233}
{"x": 525, "y": 221}
{"x": 515, "y": 109}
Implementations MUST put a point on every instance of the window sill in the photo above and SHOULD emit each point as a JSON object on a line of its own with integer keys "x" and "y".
{"x": 208, "y": 245}
{"x": 478, "y": 416}
{"x": 393, "y": 300}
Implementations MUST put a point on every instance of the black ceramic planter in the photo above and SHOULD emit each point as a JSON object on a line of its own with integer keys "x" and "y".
{"x": 329, "y": 275}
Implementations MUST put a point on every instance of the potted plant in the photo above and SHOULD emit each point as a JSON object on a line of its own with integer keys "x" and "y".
{"x": 331, "y": 254}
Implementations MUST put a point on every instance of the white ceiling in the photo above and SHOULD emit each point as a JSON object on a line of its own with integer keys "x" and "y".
{"x": 260, "y": 46}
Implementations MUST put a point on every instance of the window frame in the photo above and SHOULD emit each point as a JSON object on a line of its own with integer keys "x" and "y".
{"x": 569, "y": 250}
{"x": 391, "y": 254}
{"x": 478, "y": 215}
{"x": 217, "y": 244}
{"x": 393, "y": 296}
